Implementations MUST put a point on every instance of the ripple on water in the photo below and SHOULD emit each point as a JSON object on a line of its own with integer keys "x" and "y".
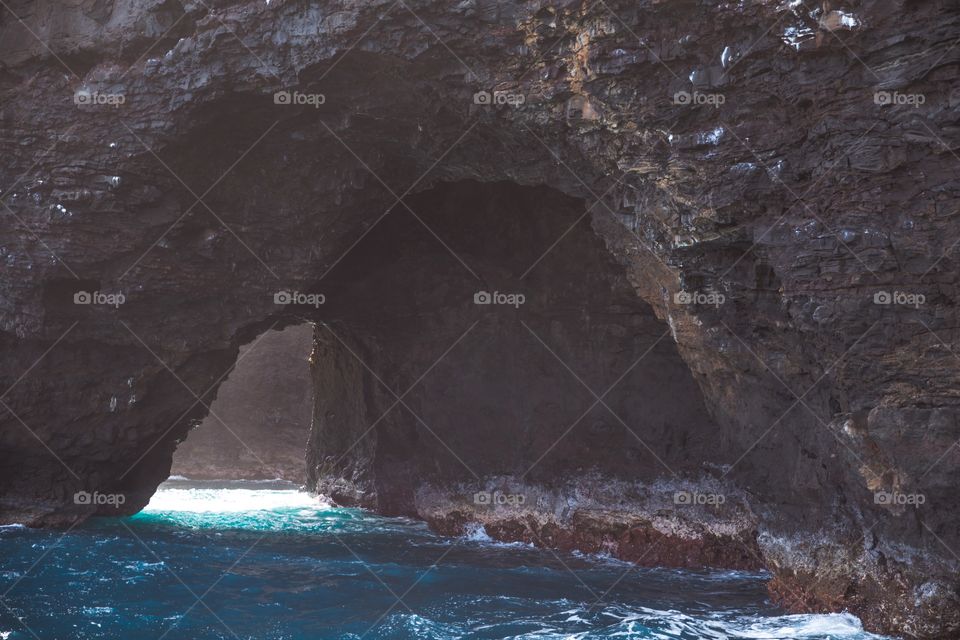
{"x": 284, "y": 564}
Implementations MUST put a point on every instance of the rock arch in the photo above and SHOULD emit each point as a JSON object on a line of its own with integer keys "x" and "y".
{"x": 797, "y": 211}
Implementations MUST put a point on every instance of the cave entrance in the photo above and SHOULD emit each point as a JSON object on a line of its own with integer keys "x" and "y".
{"x": 257, "y": 427}
{"x": 478, "y": 332}
{"x": 485, "y": 331}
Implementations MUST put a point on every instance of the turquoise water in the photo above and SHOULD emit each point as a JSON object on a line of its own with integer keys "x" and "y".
{"x": 269, "y": 562}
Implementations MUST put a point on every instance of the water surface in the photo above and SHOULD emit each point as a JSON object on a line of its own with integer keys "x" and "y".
{"x": 264, "y": 561}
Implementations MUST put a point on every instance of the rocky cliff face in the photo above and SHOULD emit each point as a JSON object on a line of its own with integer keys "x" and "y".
{"x": 769, "y": 186}
{"x": 257, "y": 427}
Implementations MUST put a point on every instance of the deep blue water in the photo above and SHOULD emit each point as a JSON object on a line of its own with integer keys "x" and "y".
{"x": 270, "y": 562}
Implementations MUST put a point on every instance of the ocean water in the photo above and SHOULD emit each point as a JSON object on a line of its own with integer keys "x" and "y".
{"x": 264, "y": 561}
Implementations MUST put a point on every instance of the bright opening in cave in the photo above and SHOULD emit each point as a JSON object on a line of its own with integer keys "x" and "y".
{"x": 257, "y": 428}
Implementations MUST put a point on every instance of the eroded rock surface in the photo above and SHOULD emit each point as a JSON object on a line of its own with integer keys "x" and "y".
{"x": 798, "y": 159}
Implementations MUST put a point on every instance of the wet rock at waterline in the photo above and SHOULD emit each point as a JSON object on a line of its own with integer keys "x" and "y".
{"x": 761, "y": 197}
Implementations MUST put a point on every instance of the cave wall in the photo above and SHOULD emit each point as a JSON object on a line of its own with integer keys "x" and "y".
{"x": 258, "y": 426}
{"x": 555, "y": 390}
{"x": 800, "y": 196}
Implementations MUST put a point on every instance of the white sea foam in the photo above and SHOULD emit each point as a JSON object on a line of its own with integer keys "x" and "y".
{"x": 832, "y": 625}
{"x": 475, "y": 532}
{"x": 835, "y": 626}
{"x": 219, "y": 500}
